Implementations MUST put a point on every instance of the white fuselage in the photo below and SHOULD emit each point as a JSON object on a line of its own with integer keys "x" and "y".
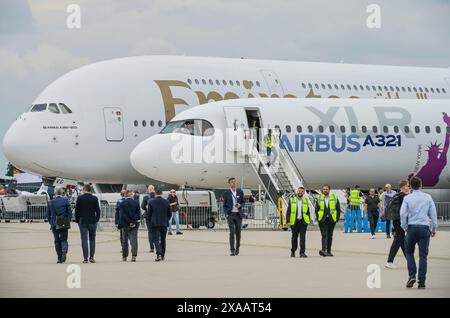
{"x": 117, "y": 104}
{"x": 338, "y": 142}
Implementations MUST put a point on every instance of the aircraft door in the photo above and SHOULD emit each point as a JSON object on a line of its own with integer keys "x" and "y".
{"x": 273, "y": 83}
{"x": 113, "y": 123}
{"x": 237, "y": 126}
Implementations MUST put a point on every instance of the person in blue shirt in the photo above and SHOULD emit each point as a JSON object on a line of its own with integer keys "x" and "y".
{"x": 416, "y": 212}
{"x": 59, "y": 205}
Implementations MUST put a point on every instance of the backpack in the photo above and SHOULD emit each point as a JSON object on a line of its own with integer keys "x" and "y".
{"x": 392, "y": 209}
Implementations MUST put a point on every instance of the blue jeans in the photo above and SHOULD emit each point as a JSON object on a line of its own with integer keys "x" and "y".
{"x": 61, "y": 244}
{"x": 176, "y": 216}
{"x": 417, "y": 234}
{"x": 88, "y": 231}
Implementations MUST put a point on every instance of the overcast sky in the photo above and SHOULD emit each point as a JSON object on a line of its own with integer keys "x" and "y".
{"x": 36, "y": 47}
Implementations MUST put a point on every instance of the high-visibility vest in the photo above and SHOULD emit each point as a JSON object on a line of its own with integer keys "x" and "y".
{"x": 355, "y": 197}
{"x": 305, "y": 205}
{"x": 331, "y": 204}
{"x": 269, "y": 140}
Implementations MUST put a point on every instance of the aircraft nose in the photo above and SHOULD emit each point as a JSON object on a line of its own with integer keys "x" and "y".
{"x": 15, "y": 146}
{"x": 145, "y": 157}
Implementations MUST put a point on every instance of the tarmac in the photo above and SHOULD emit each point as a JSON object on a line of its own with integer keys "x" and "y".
{"x": 198, "y": 265}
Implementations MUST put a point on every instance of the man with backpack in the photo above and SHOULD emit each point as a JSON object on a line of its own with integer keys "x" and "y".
{"x": 59, "y": 216}
{"x": 387, "y": 197}
{"x": 393, "y": 212}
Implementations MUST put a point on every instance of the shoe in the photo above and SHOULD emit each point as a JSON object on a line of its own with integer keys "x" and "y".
{"x": 244, "y": 226}
{"x": 152, "y": 251}
{"x": 58, "y": 261}
{"x": 92, "y": 260}
{"x": 421, "y": 286}
{"x": 158, "y": 259}
{"x": 388, "y": 236}
{"x": 169, "y": 233}
{"x": 329, "y": 254}
{"x": 292, "y": 254}
{"x": 133, "y": 258}
{"x": 85, "y": 261}
{"x": 373, "y": 237}
{"x": 163, "y": 258}
{"x": 232, "y": 254}
{"x": 322, "y": 253}
{"x": 303, "y": 255}
{"x": 179, "y": 233}
{"x": 124, "y": 259}
{"x": 63, "y": 258}
{"x": 236, "y": 252}
{"x": 411, "y": 282}
{"x": 390, "y": 266}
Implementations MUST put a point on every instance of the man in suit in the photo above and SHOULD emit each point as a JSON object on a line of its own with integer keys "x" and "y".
{"x": 117, "y": 216}
{"x": 87, "y": 214}
{"x": 298, "y": 216}
{"x": 158, "y": 215}
{"x": 129, "y": 217}
{"x": 328, "y": 212}
{"x": 150, "y": 196}
{"x": 59, "y": 205}
{"x": 233, "y": 201}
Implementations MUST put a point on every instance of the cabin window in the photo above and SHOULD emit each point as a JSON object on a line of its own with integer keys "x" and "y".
{"x": 194, "y": 127}
{"x": 160, "y": 123}
{"x": 364, "y": 129}
{"x": 152, "y": 123}
{"x": 342, "y": 129}
{"x": 39, "y": 108}
{"x": 144, "y": 123}
{"x": 353, "y": 128}
{"x": 396, "y": 130}
{"x": 321, "y": 129}
{"x": 136, "y": 123}
{"x": 303, "y": 85}
{"x": 53, "y": 108}
{"x": 310, "y": 129}
{"x": 299, "y": 129}
{"x": 406, "y": 130}
{"x": 427, "y": 129}
{"x": 332, "y": 130}
{"x": 438, "y": 129}
{"x": 375, "y": 129}
{"x": 288, "y": 128}
{"x": 417, "y": 129}
{"x": 65, "y": 109}
{"x": 386, "y": 129}
{"x": 443, "y": 90}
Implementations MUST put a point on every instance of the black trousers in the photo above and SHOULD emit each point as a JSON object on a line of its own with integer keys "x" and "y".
{"x": 326, "y": 230}
{"x": 398, "y": 242}
{"x": 299, "y": 228}
{"x": 388, "y": 227}
{"x": 373, "y": 220}
{"x": 159, "y": 239}
{"x": 235, "y": 225}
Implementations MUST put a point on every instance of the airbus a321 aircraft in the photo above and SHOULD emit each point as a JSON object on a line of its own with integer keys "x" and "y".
{"x": 84, "y": 125}
{"x": 368, "y": 142}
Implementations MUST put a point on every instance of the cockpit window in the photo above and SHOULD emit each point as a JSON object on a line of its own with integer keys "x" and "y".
{"x": 38, "y": 108}
{"x": 194, "y": 127}
{"x": 64, "y": 109}
{"x": 53, "y": 108}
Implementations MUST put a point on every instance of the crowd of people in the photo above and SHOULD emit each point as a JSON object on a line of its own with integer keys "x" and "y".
{"x": 410, "y": 211}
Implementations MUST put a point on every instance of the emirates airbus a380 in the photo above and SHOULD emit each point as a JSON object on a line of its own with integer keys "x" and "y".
{"x": 85, "y": 124}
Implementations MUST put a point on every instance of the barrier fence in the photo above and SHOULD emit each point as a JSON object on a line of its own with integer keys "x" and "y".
{"x": 258, "y": 215}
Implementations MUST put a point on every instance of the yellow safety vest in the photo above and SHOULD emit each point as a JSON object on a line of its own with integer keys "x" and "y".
{"x": 305, "y": 205}
{"x": 355, "y": 198}
{"x": 269, "y": 141}
{"x": 331, "y": 204}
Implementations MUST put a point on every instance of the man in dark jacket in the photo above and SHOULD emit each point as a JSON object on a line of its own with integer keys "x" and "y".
{"x": 87, "y": 214}
{"x": 328, "y": 212}
{"x": 117, "y": 215}
{"x": 150, "y": 196}
{"x": 298, "y": 217}
{"x": 158, "y": 215}
{"x": 233, "y": 201}
{"x": 59, "y": 205}
{"x": 394, "y": 215}
{"x": 129, "y": 217}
